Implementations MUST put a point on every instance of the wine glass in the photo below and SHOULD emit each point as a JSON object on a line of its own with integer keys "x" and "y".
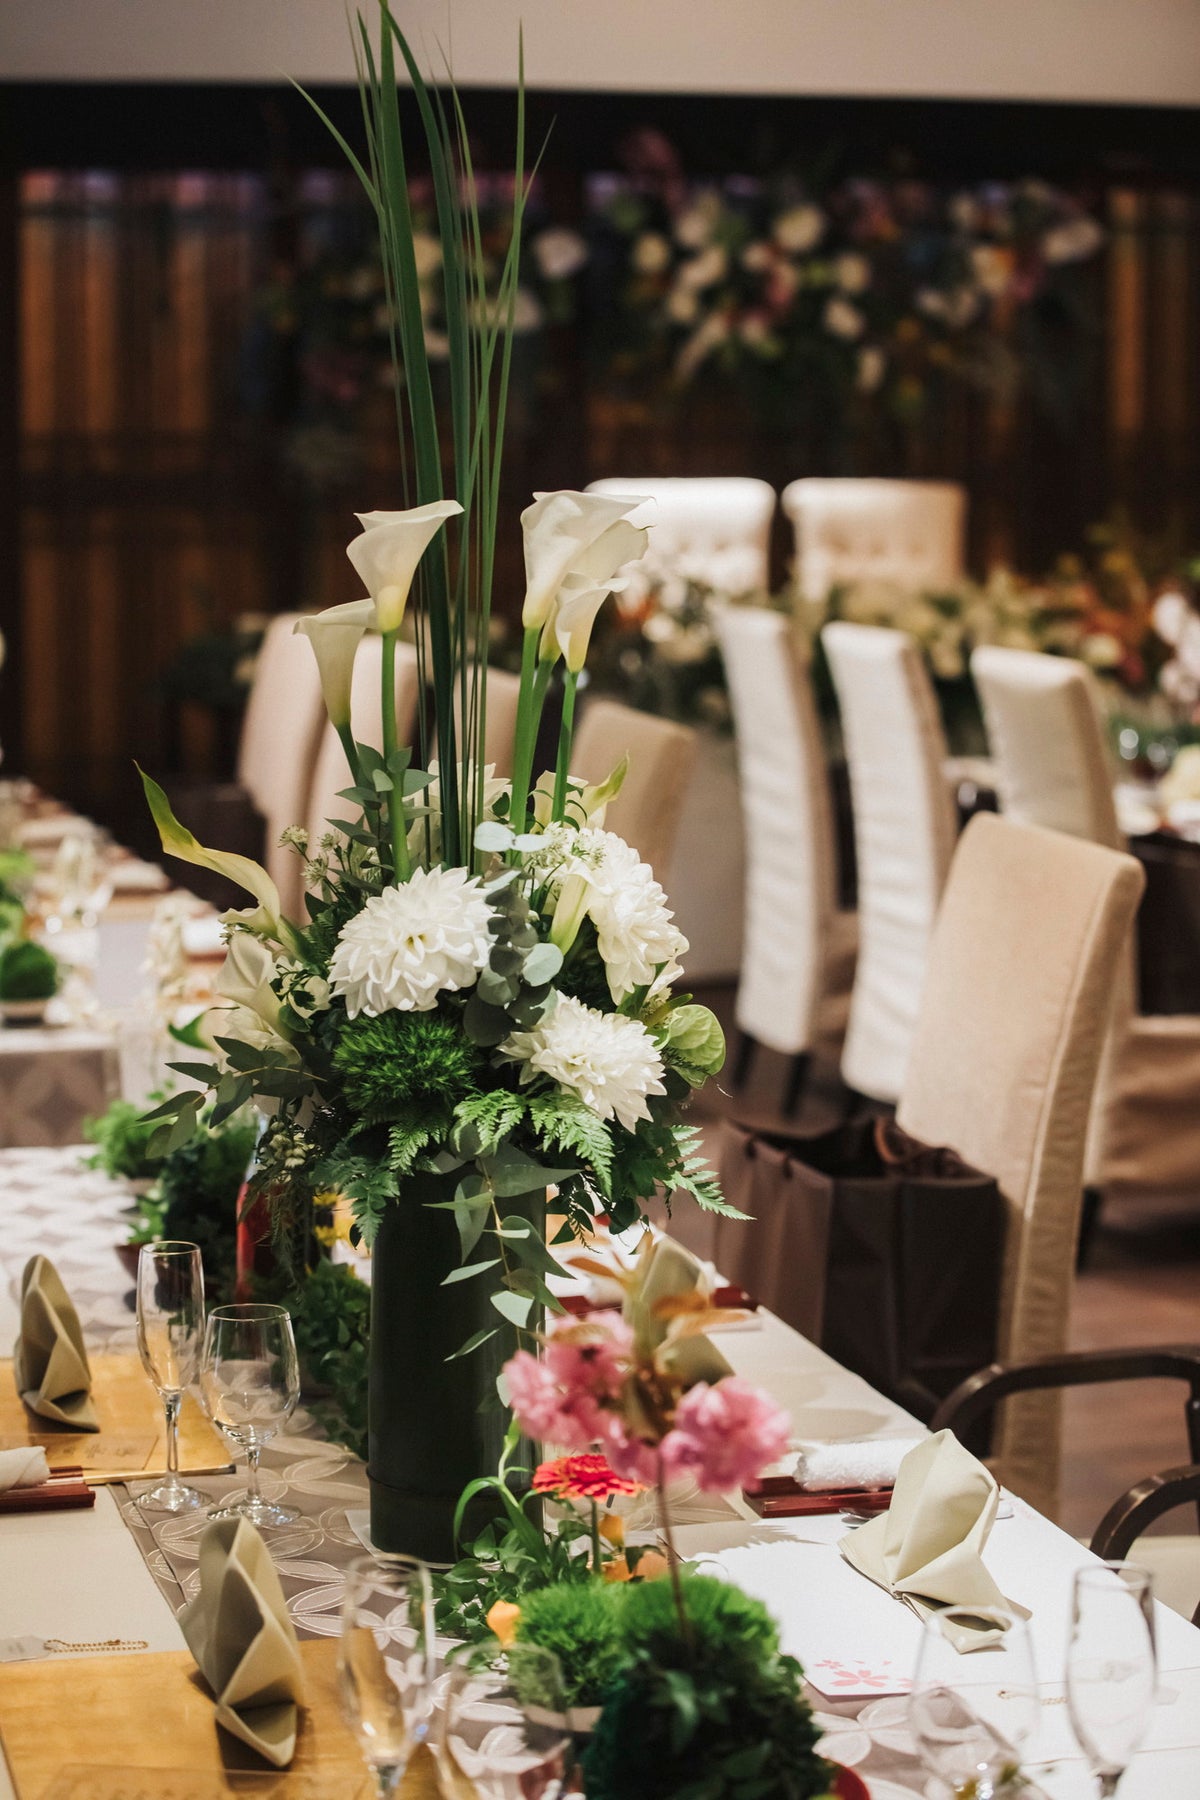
{"x": 170, "y": 1330}
{"x": 505, "y": 1731}
{"x": 250, "y": 1383}
{"x": 1111, "y": 1666}
{"x": 972, "y": 1714}
{"x": 385, "y": 1662}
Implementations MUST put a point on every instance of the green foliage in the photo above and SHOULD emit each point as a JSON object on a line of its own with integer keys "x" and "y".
{"x": 198, "y": 1185}
{"x": 580, "y": 1623}
{"x": 367, "y": 1181}
{"x": 331, "y": 1317}
{"x": 717, "y": 1714}
{"x": 482, "y": 1121}
{"x": 122, "y": 1139}
{"x": 404, "y": 1063}
{"x": 27, "y": 972}
{"x": 692, "y": 1042}
{"x": 511, "y": 1558}
{"x": 564, "y": 1123}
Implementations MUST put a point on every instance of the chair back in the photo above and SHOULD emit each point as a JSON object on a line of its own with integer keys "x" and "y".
{"x": 1043, "y": 724}
{"x": 791, "y": 873}
{"x": 646, "y": 811}
{"x": 331, "y": 774}
{"x": 281, "y": 730}
{"x": 724, "y": 521}
{"x": 906, "y": 532}
{"x": 503, "y": 692}
{"x": 1003, "y": 1066}
{"x": 905, "y": 825}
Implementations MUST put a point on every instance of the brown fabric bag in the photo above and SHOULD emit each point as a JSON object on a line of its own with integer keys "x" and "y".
{"x": 884, "y": 1251}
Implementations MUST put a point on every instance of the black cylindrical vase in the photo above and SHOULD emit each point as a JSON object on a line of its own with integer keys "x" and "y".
{"x": 434, "y": 1424}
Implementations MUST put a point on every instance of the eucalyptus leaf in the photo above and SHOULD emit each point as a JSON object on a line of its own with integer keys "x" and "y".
{"x": 469, "y": 1269}
{"x": 542, "y": 964}
{"x": 516, "y": 1308}
{"x": 491, "y": 835}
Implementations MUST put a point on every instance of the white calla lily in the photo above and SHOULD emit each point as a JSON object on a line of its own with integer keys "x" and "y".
{"x": 579, "y": 601}
{"x": 335, "y": 635}
{"x": 559, "y": 529}
{"x": 267, "y": 917}
{"x": 387, "y": 551}
{"x": 245, "y": 978}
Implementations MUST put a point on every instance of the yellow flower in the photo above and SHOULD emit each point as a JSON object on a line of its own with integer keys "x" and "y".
{"x": 503, "y": 1618}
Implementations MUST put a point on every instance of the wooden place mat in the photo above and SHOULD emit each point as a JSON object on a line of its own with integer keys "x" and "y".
{"x": 131, "y": 1442}
{"x": 70, "y": 1732}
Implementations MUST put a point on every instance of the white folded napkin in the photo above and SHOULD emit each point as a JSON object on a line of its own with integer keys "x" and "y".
{"x": 26, "y": 1467}
{"x": 927, "y": 1548}
{"x": 869, "y": 1463}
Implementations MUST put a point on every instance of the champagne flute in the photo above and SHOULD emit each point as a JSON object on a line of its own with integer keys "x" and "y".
{"x": 505, "y": 1729}
{"x": 972, "y": 1715}
{"x": 170, "y": 1330}
{"x": 250, "y": 1383}
{"x": 1111, "y": 1666}
{"x": 385, "y": 1662}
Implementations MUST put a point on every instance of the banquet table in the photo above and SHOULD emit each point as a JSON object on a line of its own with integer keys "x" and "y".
{"x": 81, "y": 1576}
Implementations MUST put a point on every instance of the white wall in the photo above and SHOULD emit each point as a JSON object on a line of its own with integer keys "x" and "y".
{"x": 1125, "y": 50}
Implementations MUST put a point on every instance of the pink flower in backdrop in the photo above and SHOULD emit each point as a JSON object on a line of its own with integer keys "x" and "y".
{"x": 724, "y": 1435}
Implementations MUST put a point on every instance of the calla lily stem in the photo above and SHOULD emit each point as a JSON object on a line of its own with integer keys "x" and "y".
{"x": 566, "y": 738}
{"x": 525, "y": 735}
{"x": 395, "y": 798}
{"x": 351, "y": 748}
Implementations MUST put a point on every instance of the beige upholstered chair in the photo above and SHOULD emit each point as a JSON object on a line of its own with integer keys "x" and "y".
{"x": 1003, "y": 1065}
{"x": 503, "y": 692}
{"x": 1052, "y": 768}
{"x": 280, "y": 735}
{"x": 906, "y": 532}
{"x": 646, "y": 811}
{"x": 725, "y": 519}
{"x": 331, "y": 774}
{"x": 905, "y": 825}
{"x": 797, "y": 949}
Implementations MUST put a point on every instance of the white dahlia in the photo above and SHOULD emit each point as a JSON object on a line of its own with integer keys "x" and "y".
{"x": 611, "y": 1062}
{"x": 411, "y": 943}
{"x": 597, "y": 874}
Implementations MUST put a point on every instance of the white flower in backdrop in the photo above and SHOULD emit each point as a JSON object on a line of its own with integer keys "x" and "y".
{"x": 412, "y": 943}
{"x": 612, "y": 1063}
{"x": 852, "y": 272}
{"x": 798, "y": 229}
{"x": 842, "y": 319}
{"x": 651, "y": 253}
{"x": 872, "y": 365}
{"x": 559, "y": 253}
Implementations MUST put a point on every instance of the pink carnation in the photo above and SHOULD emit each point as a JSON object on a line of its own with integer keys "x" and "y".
{"x": 561, "y": 1397}
{"x": 723, "y": 1436}
{"x": 628, "y": 1455}
{"x": 590, "y": 1360}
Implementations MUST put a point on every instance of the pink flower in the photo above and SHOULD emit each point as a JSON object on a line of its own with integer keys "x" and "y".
{"x": 561, "y": 1397}
{"x": 630, "y": 1456}
{"x": 723, "y": 1436}
{"x": 590, "y": 1358}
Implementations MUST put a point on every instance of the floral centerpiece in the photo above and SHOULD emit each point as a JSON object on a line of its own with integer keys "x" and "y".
{"x": 481, "y": 1002}
{"x": 674, "y": 1679}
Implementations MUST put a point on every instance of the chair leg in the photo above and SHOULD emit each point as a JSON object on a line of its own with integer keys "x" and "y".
{"x": 797, "y": 1078}
{"x": 1089, "y": 1220}
{"x": 741, "y": 1062}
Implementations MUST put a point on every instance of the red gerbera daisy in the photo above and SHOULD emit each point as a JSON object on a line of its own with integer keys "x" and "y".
{"x": 587, "y": 1477}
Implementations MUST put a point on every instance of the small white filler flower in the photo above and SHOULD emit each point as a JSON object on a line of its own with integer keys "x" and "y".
{"x": 611, "y": 1062}
{"x": 426, "y": 937}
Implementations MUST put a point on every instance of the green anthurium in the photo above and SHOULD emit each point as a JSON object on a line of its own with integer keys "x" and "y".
{"x": 695, "y": 1035}
{"x": 266, "y": 919}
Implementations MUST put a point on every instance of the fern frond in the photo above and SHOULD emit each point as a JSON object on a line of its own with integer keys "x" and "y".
{"x": 481, "y": 1121}
{"x": 563, "y": 1122}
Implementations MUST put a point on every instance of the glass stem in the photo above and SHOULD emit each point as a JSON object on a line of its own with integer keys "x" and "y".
{"x": 253, "y": 1492}
{"x": 171, "y": 1405}
{"x": 387, "y": 1778}
{"x": 1108, "y": 1785}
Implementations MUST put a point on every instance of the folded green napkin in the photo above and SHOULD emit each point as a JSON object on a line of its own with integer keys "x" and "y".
{"x": 927, "y": 1548}
{"x": 667, "y": 1273}
{"x": 49, "y": 1361}
{"x": 238, "y": 1630}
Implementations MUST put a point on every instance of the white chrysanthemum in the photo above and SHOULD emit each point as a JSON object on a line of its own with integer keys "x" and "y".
{"x": 412, "y": 943}
{"x": 599, "y": 876}
{"x": 611, "y": 1062}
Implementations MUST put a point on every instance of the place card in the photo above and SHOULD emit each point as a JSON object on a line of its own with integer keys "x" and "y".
{"x": 131, "y": 1442}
